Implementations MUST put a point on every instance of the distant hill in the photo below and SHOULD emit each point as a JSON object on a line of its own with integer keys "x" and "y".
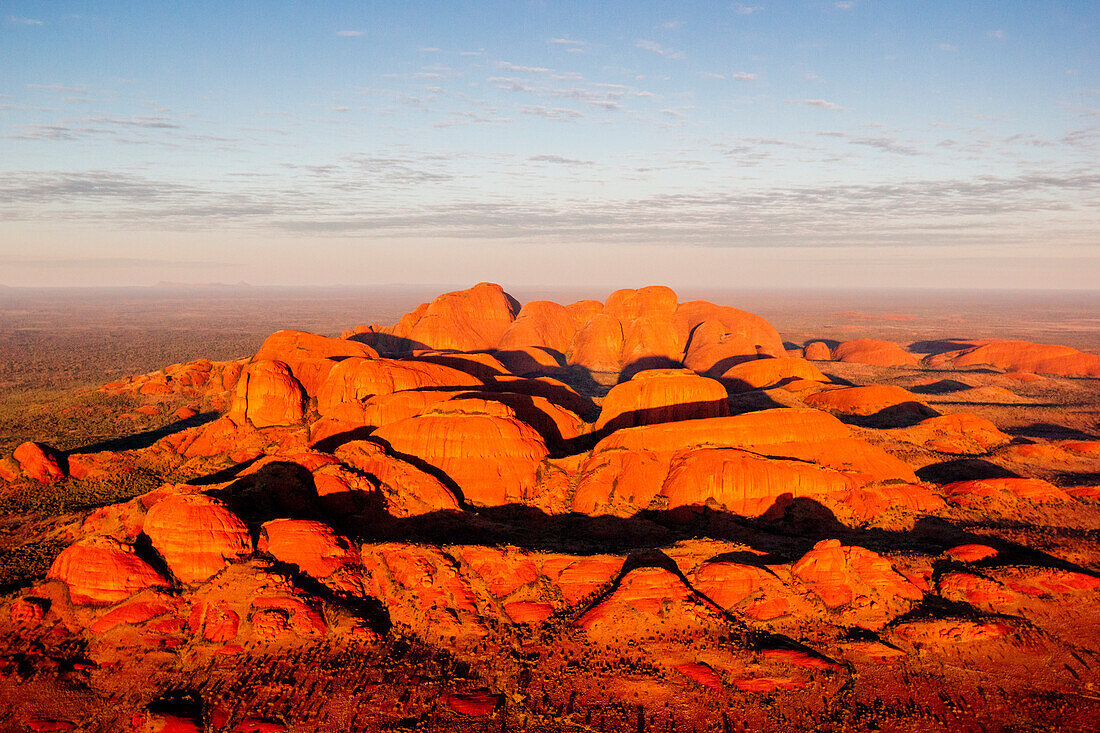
{"x": 171, "y": 284}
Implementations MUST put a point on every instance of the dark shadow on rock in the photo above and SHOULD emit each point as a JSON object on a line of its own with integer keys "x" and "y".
{"x": 455, "y": 360}
{"x": 279, "y": 490}
{"x": 367, "y": 609}
{"x": 387, "y": 345}
{"x": 562, "y": 396}
{"x": 665, "y": 414}
{"x": 962, "y": 469}
{"x": 938, "y": 346}
{"x": 943, "y": 386}
{"x": 901, "y": 415}
{"x": 427, "y": 468}
{"x": 648, "y": 362}
{"x": 836, "y": 379}
{"x": 147, "y": 438}
{"x": 332, "y": 442}
{"x": 831, "y": 343}
{"x": 224, "y": 474}
{"x": 755, "y": 401}
{"x": 1048, "y": 431}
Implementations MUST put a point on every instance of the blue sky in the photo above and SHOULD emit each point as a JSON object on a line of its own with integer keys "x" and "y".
{"x": 816, "y": 143}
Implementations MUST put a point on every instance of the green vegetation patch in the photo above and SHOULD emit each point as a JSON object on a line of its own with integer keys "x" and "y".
{"x": 66, "y": 497}
{"x": 20, "y": 566}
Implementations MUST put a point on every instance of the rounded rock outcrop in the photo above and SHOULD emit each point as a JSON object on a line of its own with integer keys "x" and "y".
{"x": 662, "y": 395}
{"x": 197, "y": 535}
{"x": 103, "y": 571}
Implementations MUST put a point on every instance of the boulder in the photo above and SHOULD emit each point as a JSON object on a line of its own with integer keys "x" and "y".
{"x": 662, "y": 395}
{"x": 103, "y": 571}
{"x": 39, "y": 462}
{"x": 1023, "y": 356}
{"x": 267, "y": 395}
{"x": 771, "y": 372}
{"x": 308, "y": 356}
{"x": 196, "y": 535}
{"x": 874, "y": 352}
{"x": 818, "y": 351}
{"x": 491, "y": 456}
{"x": 464, "y": 320}
{"x": 598, "y": 345}
{"x": 870, "y": 400}
{"x": 540, "y": 323}
{"x": 354, "y": 380}
{"x": 407, "y": 491}
{"x": 313, "y": 546}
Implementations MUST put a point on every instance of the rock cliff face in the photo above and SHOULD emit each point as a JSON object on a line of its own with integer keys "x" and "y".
{"x": 641, "y": 500}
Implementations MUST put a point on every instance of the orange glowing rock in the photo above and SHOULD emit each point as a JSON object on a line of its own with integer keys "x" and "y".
{"x": 384, "y": 409}
{"x": 583, "y": 310}
{"x": 272, "y": 615}
{"x": 662, "y": 395}
{"x": 578, "y": 577}
{"x": 354, "y": 380}
{"x": 532, "y": 613}
{"x": 801, "y": 434}
{"x": 982, "y": 592}
{"x": 39, "y": 462}
{"x": 650, "y": 342}
{"x": 818, "y": 351}
{"x": 1023, "y": 356}
{"x": 313, "y": 546}
{"x": 716, "y": 337}
{"x": 196, "y": 535}
{"x": 407, "y": 490}
{"x": 874, "y": 352}
{"x": 767, "y": 373}
{"x": 867, "y": 400}
{"x": 309, "y": 357}
{"x": 729, "y": 583}
{"x": 134, "y": 612}
{"x": 540, "y": 323}
{"x": 475, "y": 704}
{"x": 102, "y": 571}
{"x": 642, "y": 595}
{"x": 971, "y": 553}
{"x": 598, "y": 345}
{"x": 742, "y": 483}
{"x": 492, "y": 458}
{"x": 554, "y": 390}
{"x": 838, "y": 575}
{"x": 629, "y": 304}
{"x": 483, "y": 366}
{"x": 701, "y": 673}
{"x": 957, "y": 434}
{"x": 1047, "y": 581}
{"x": 267, "y": 395}
{"x": 935, "y": 633}
{"x": 555, "y": 424}
{"x": 503, "y": 572}
{"x": 464, "y": 320}
{"x": 1001, "y": 490}
{"x": 216, "y": 621}
{"x": 422, "y": 588}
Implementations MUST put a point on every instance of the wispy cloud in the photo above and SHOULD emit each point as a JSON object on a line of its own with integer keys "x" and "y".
{"x": 566, "y": 42}
{"x": 349, "y": 34}
{"x": 658, "y": 49}
{"x": 746, "y": 9}
{"x": 551, "y": 113}
{"x": 998, "y": 34}
{"x": 743, "y": 76}
{"x": 823, "y": 104}
{"x": 427, "y": 49}
{"x": 561, "y": 160}
{"x": 845, "y": 5}
{"x": 20, "y": 20}
{"x": 60, "y": 88}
